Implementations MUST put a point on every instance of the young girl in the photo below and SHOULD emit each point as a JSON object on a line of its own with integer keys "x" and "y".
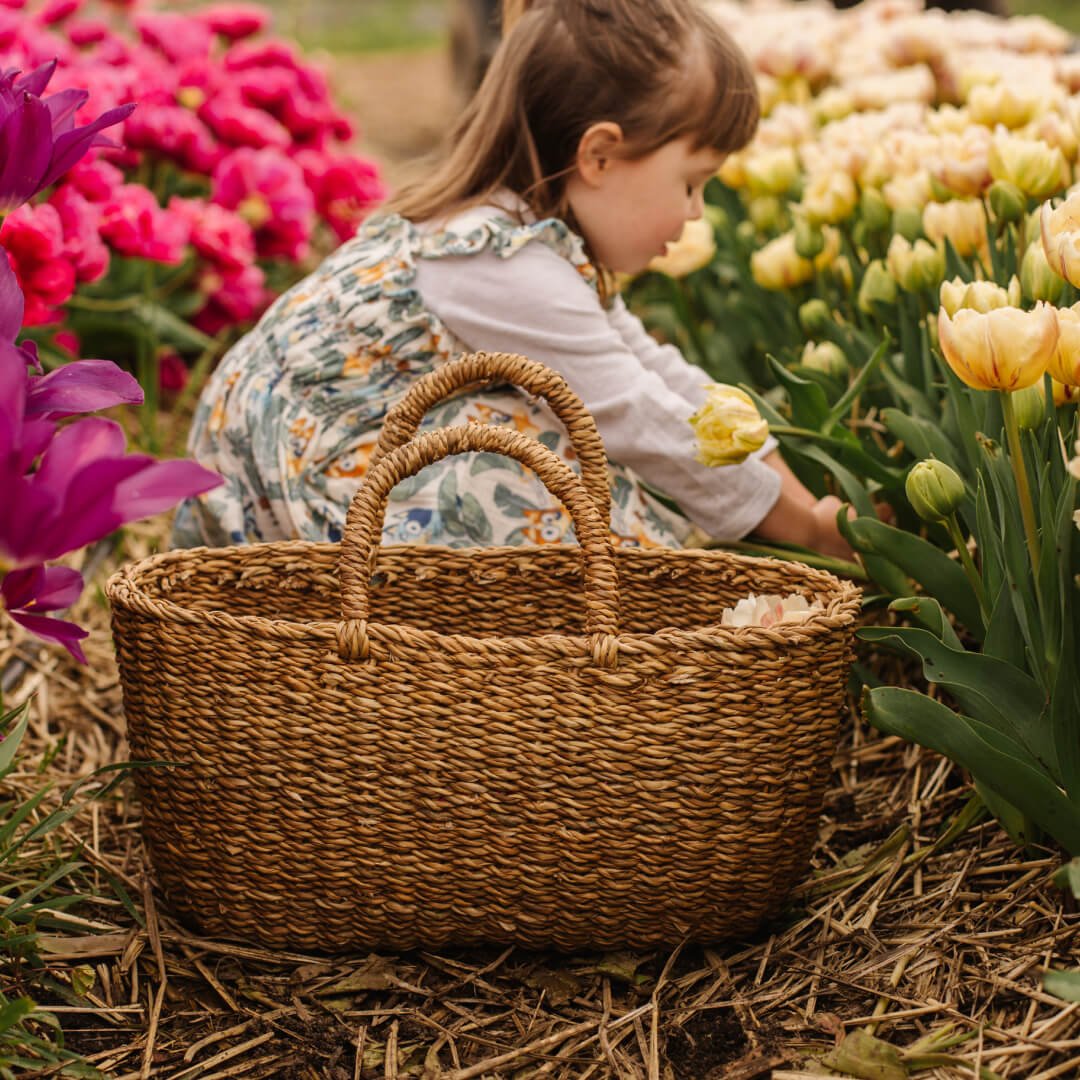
{"x": 583, "y": 153}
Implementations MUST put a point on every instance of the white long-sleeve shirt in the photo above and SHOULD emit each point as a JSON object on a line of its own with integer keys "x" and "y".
{"x": 641, "y": 393}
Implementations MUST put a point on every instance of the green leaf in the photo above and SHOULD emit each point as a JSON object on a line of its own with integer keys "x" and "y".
{"x": 1067, "y": 876}
{"x": 939, "y": 575}
{"x": 928, "y": 611}
{"x": 169, "y": 328}
{"x": 1062, "y": 984}
{"x": 841, "y": 408}
{"x": 14, "y": 1011}
{"x": 809, "y": 406}
{"x": 992, "y": 758}
{"x": 988, "y": 689}
{"x": 861, "y": 1055}
{"x": 1020, "y": 829}
{"x": 13, "y": 736}
{"x": 924, "y": 438}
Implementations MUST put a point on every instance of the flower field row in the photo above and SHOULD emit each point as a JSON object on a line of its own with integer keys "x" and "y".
{"x": 891, "y": 273}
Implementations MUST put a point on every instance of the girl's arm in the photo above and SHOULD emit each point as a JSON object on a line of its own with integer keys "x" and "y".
{"x": 798, "y": 517}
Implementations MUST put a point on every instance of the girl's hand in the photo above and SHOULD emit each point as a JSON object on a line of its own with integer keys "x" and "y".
{"x": 827, "y": 538}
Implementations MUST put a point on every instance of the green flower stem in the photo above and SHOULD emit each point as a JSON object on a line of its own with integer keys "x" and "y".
{"x": 686, "y": 317}
{"x": 1016, "y": 456}
{"x": 953, "y": 525}
{"x": 89, "y": 303}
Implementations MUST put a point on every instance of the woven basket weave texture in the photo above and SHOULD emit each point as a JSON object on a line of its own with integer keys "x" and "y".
{"x": 394, "y": 747}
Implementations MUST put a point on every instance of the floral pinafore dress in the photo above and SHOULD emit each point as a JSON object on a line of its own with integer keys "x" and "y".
{"x": 291, "y": 415}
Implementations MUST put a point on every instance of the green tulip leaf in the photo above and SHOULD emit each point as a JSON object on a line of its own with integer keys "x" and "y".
{"x": 928, "y": 611}
{"x": 1067, "y": 876}
{"x": 925, "y": 563}
{"x": 809, "y": 406}
{"x": 843, "y": 406}
{"x": 1062, "y": 984}
{"x": 924, "y": 438}
{"x": 988, "y": 689}
{"x": 992, "y": 758}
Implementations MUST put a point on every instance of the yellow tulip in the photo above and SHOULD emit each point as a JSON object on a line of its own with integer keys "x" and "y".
{"x": 728, "y": 426}
{"x": 963, "y": 221}
{"x": 693, "y": 250}
{"x": 962, "y": 165}
{"x": 829, "y": 197}
{"x": 1003, "y": 103}
{"x": 1061, "y": 237}
{"x": 1065, "y": 395}
{"x": 1035, "y": 167}
{"x": 1064, "y": 365}
{"x": 981, "y": 296}
{"x": 915, "y": 266}
{"x": 1038, "y": 277}
{"x": 771, "y": 172}
{"x": 1004, "y": 349}
{"x": 779, "y": 266}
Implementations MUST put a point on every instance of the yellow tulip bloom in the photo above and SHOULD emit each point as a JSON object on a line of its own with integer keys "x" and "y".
{"x": 1003, "y": 349}
{"x": 1064, "y": 365}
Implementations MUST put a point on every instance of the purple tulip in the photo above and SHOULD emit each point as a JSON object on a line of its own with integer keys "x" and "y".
{"x": 38, "y": 138}
{"x": 28, "y": 594}
{"x": 64, "y": 489}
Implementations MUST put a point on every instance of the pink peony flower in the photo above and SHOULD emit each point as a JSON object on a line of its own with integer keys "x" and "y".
{"x": 175, "y": 133}
{"x": 56, "y": 11}
{"x": 95, "y": 180}
{"x": 83, "y": 245}
{"x": 134, "y": 224}
{"x": 238, "y": 124}
{"x": 83, "y": 32}
{"x": 218, "y": 234}
{"x": 172, "y": 372}
{"x": 233, "y": 297}
{"x": 179, "y": 37}
{"x": 34, "y": 239}
{"x": 69, "y": 342}
{"x": 234, "y": 21}
{"x": 268, "y": 191}
{"x": 346, "y": 188}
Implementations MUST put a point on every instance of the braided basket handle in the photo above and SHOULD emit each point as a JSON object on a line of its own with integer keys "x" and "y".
{"x": 403, "y": 420}
{"x": 364, "y": 525}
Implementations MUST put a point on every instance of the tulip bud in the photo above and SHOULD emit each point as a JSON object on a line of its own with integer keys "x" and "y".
{"x": 1007, "y": 201}
{"x": 934, "y": 489}
{"x": 814, "y": 316}
{"x": 765, "y": 212}
{"x": 877, "y": 286}
{"x": 907, "y": 221}
{"x": 874, "y": 210}
{"x": 717, "y": 217}
{"x": 809, "y": 239}
{"x": 779, "y": 266}
{"x": 1038, "y": 280}
{"x": 728, "y": 426}
{"x": 825, "y": 357}
{"x": 1029, "y": 407}
{"x": 841, "y": 271}
{"x": 915, "y": 267}
{"x": 746, "y": 234}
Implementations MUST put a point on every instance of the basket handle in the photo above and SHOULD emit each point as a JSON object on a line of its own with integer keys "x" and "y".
{"x": 364, "y": 524}
{"x": 403, "y": 420}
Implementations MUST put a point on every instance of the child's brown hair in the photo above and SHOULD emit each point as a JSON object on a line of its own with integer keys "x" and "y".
{"x": 660, "y": 69}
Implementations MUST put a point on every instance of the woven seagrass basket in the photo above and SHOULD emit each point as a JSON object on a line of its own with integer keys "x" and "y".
{"x": 415, "y": 746}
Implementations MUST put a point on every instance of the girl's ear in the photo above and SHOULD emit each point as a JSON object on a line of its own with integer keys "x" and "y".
{"x": 598, "y": 148}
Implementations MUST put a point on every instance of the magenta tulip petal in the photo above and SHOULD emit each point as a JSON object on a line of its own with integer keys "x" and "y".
{"x": 62, "y": 108}
{"x": 77, "y": 446}
{"x": 71, "y": 145}
{"x": 25, "y": 147}
{"x": 42, "y": 588}
{"x": 27, "y": 513}
{"x": 13, "y": 387}
{"x": 89, "y": 510}
{"x": 56, "y": 630}
{"x": 82, "y": 387}
{"x": 160, "y": 486}
{"x": 36, "y": 81}
{"x": 11, "y": 302}
{"x": 36, "y": 435}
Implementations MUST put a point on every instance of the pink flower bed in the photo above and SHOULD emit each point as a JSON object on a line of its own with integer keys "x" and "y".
{"x": 233, "y": 176}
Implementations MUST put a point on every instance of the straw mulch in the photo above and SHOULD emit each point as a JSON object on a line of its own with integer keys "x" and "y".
{"x": 905, "y": 928}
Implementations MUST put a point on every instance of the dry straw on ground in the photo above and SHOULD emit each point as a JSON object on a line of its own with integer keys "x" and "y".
{"x": 905, "y": 928}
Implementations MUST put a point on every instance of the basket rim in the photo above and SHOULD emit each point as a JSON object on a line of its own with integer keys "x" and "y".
{"x": 125, "y": 589}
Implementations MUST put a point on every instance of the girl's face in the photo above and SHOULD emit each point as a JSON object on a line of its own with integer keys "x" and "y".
{"x": 629, "y": 209}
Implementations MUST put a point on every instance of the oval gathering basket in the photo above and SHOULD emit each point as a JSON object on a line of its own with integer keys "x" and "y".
{"x": 403, "y": 746}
